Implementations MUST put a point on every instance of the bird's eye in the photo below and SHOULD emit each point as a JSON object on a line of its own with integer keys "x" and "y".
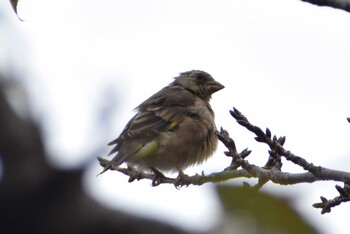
{"x": 201, "y": 78}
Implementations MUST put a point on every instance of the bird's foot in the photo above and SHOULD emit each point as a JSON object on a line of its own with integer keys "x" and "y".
{"x": 182, "y": 180}
{"x": 157, "y": 178}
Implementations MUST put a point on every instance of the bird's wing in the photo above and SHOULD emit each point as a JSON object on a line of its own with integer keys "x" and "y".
{"x": 162, "y": 112}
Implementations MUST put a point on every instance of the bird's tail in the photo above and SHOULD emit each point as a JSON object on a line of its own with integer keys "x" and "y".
{"x": 106, "y": 164}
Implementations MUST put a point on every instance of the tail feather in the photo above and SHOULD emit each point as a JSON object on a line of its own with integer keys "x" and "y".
{"x": 106, "y": 164}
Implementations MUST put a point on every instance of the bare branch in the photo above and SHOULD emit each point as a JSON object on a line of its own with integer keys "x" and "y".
{"x": 326, "y": 204}
{"x": 241, "y": 168}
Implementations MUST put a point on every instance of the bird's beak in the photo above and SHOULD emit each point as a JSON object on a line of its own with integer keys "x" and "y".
{"x": 214, "y": 86}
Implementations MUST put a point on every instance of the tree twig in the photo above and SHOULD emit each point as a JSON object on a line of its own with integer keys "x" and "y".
{"x": 241, "y": 168}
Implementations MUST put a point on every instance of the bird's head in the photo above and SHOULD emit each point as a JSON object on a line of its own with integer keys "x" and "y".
{"x": 198, "y": 82}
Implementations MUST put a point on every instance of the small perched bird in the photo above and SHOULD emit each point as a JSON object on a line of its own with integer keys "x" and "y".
{"x": 173, "y": 129}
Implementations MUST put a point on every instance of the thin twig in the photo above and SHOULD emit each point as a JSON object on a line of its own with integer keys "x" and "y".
{"x": 241, "y": 168}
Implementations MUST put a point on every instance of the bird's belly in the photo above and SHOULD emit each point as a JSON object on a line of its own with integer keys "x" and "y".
{"x": 175, "y": 152}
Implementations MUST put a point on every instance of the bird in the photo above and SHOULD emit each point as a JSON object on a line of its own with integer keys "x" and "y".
{"x": 173, "y": 129}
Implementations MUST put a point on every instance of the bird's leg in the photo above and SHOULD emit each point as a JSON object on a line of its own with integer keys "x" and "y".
{"x": 157, "y": 178}
{"x": 182, "y": 179}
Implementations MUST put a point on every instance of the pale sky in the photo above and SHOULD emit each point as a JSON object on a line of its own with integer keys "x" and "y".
{"x": 285, "y": 65}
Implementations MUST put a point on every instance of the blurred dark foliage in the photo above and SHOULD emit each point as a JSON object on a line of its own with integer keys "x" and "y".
{"x": 37, "y": 198}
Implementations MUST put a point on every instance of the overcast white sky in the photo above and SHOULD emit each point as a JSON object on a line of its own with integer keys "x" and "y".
{"x": 285, "y": 65}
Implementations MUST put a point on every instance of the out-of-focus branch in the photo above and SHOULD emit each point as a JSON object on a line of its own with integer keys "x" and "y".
{"x": 38, "y": 198}
{"x": 338, "y": 4}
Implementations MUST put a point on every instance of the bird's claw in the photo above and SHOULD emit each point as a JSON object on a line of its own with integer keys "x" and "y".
{"x": 182, "y": 180}
{"x": 158, "y": 177}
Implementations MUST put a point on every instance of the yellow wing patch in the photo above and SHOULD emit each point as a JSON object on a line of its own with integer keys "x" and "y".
{"x": 147, "y": 149}
{"x": 173, "y": 125}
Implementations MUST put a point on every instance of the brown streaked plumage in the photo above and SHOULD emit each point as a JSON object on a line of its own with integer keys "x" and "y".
{"x": 173, "y": 129}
